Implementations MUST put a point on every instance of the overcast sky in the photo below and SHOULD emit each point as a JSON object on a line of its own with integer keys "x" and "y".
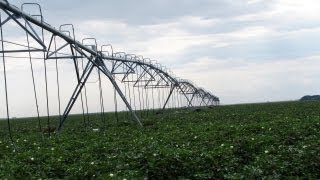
{"x": 243, "y": 51}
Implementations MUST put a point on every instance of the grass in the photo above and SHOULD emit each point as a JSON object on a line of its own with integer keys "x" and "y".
{"x": 271, "y": 140}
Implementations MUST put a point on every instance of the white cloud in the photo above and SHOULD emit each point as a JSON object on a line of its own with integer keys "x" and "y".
{"x": 207, "y": 44}
{"x": 253, "y": 82}
{"x": 307, "y": 9}
{"x": 160, "y": 40}
{"x": 253, "y": 1}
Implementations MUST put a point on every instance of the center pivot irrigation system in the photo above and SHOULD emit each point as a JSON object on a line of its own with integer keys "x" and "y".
{"x": 142, "y": 84}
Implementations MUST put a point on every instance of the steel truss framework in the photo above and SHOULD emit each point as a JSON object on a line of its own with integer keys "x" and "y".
{"x": 142, "y": 74}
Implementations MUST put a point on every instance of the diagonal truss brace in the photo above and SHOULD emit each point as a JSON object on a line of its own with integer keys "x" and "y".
{"x": 94, "y": 62}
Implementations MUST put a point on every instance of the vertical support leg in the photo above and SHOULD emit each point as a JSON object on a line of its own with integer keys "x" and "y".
{"x": 86, "y": 73}
{"x": 105, "y": 71}
{"x": 206, "y": 102}
{"x": 171, "y": 90}
{"x": 202, "y": 100}
{"x": 189, "y": 102}
{"x": 193, "y": 95}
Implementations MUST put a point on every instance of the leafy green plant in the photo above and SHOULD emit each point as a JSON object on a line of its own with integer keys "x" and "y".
{"x": 271, "y": 140}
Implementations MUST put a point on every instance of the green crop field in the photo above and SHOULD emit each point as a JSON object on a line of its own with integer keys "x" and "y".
{"x": 271, "y": 140}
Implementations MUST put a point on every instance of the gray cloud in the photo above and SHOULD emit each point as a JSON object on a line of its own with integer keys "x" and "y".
{"x": 244, "y": 51}
{"x": 147, "y": 11}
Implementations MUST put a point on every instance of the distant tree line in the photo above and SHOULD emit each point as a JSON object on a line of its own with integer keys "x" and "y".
{"x": 310, "y": 98}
